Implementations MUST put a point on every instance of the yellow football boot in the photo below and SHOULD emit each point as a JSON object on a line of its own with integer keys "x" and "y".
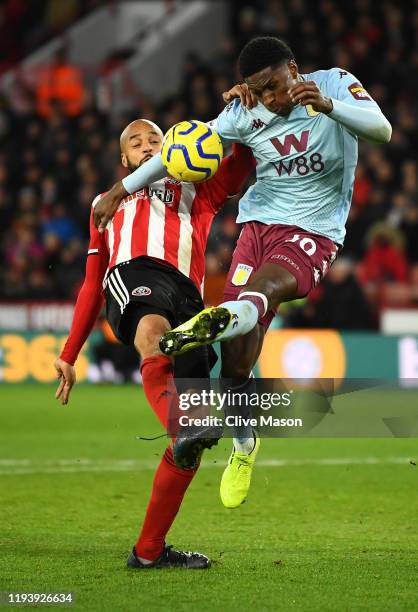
{"x": 236, "y": 478}
{"x": 203, "y": 328}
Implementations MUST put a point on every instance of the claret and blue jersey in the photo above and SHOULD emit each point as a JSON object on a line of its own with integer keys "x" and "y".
{"x": 305, "y": 161}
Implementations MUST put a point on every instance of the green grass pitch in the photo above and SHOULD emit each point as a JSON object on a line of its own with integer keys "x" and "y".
{"x": 328, "y": 525}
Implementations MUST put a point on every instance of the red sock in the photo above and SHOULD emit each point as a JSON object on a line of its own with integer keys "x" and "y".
{"x": 168, "y": 489}
{"x": 158, "y": 381}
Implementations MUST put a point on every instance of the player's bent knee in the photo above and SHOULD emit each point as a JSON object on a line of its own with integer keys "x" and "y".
{"x": 148, "y": 333}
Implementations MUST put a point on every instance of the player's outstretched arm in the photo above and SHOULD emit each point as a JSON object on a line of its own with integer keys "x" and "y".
{"x": 87, "y": 308}
{"x": 152, "y": 170}
{"x": 361, "y": 115}
{"x": 234, "y": 170}
{"x": 368, "y": 123}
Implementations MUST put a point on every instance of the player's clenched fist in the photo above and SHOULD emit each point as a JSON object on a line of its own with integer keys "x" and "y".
{"x": 308, "y": 92}
{"x": 67, "y": 378}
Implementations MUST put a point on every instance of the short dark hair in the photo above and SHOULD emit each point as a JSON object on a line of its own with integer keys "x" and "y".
{"x": 262, "y": 52}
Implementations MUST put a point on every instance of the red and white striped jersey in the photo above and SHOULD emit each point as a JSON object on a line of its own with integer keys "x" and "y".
{"x": 170, "y": 221}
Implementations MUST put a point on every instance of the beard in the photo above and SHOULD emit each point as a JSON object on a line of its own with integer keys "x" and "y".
{"x": 132, "y": 167}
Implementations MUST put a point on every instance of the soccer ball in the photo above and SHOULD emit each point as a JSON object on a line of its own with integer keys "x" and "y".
{"x": 192, "y": 151}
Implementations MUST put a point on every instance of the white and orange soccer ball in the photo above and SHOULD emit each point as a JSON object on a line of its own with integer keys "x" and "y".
{"x": 192, "y": 151}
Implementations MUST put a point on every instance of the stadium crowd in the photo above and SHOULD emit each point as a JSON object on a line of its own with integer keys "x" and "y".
{"x": 26, "y": 25}
{"x": 53, "y": 164}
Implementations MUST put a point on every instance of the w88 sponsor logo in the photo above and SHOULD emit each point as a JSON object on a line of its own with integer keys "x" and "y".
{"x": 301, "y": 165}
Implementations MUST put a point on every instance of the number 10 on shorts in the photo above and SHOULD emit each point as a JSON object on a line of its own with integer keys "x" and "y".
{"x": 306, "y": 244}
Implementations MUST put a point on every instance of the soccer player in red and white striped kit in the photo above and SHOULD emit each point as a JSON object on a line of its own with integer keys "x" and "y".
{"x": 149, "y": 266}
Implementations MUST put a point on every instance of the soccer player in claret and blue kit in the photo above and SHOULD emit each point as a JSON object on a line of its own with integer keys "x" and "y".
{"x": 148, "y": 265}
{"x": 303, "y": 130}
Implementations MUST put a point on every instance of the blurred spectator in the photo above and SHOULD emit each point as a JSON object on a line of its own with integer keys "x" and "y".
{"x": 60, "y": 224}
{"x": 409, "y": 227}
{"x": 362, "y": 187}
{"x": 60, "y": 83}
{"x": 338, "y": 302}
{"x": 384, "y": 259}
{"x": 67, "y": 272}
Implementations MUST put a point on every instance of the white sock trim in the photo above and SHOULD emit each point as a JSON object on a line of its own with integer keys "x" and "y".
{"x": 245, "y": 445}
{"x": 257, "y": 294}
{"x": 145, "y": 561}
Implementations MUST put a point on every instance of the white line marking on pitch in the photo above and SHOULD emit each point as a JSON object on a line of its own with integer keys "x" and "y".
{"x": 74, "y": 466}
